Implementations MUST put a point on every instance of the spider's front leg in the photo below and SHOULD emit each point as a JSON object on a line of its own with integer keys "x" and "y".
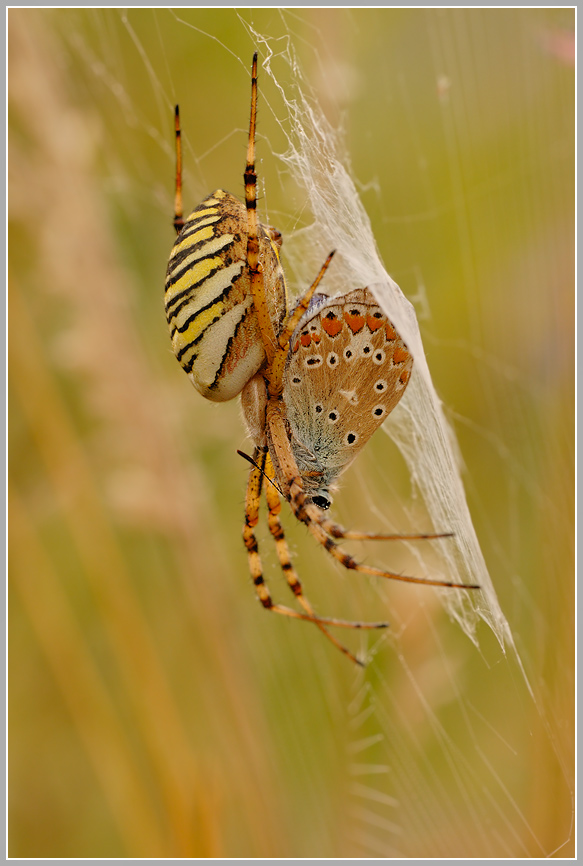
{"x": 256, "y": 277}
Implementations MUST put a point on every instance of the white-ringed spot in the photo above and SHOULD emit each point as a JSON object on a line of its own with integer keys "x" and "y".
{"x": 380, "y": 385}
{"x": 333, "y": 416}
{"x": 332, "y": 359}
{"x": 379, "y": 411}
{"x": 351, "y": 438}
{"x": 378, "y": 357}
{"x": 313, "y": 361}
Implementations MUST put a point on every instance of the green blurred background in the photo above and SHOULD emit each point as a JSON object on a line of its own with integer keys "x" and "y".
{"x": 154, "y": 709}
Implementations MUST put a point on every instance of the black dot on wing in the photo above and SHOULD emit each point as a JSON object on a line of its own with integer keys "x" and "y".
{"x": 351, "y": 438}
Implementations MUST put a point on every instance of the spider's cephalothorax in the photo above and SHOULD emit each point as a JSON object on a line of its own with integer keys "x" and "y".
{"x": 315, "y": 382}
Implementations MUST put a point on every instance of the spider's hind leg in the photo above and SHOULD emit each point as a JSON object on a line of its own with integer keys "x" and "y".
{"x": 253, "y": 498}
{"x": 283, "y": 554}
{"x": 325, "y": 531}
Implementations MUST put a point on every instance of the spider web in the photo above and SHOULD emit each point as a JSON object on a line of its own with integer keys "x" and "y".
{"x": 449, "y": 743}
{"x": 315, "y": 158}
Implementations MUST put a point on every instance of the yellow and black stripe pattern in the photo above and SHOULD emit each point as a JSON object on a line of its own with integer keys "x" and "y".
{"x": 209, "y": 304}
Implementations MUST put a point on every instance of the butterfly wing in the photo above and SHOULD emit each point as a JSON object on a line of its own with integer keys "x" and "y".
{"x": 346, "y": 371}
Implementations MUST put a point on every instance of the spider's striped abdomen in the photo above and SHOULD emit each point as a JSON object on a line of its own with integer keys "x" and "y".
{"x": 209, "y": 306}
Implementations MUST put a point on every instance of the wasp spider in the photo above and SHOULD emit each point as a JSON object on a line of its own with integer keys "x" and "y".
{"x": 315, "y": 381}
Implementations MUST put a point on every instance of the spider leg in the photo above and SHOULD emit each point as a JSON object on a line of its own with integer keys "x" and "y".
{"x": 276, "y": 529}
{"x": 255, "y": 272}
{"x": 309, "y": 514}
{"x": 178, "y": 213}
{"x": 277, "y": 366}
{"x": 252, "y": 502}
{"x": 316, "y": 523}
{"x": 337, "y": 531}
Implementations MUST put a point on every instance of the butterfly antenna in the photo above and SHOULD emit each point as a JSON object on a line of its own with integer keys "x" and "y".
{"x": 256, "y": 465}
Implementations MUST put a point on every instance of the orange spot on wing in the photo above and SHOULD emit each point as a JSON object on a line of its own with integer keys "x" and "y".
{"x": 400, "y": 355}
{"x": 354, "y": 322}
{"x": 296, "y": 346}
{"x": 316, "y": 338}
{"x": 305, "y": 340}
{"x": 390, "y": 332}
{"x": 332, "y": 327}
{"x": 374, "y": 323}
{"x": 404, "y": 377}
